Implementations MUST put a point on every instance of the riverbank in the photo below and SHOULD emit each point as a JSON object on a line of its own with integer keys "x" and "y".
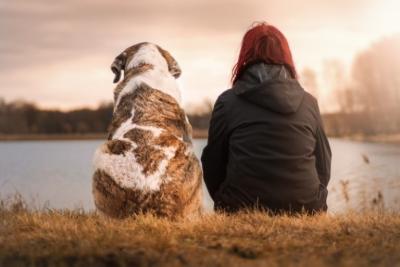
{"x": 91, "y": 136}
{"x": 75, "y": 238}
{"x": 45, "y": 137}
{"x": 197, "y": 133}
{"x": 378, "y": 138}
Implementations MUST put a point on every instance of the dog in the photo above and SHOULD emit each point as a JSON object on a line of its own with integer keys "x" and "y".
{"x": 147, "y": 165}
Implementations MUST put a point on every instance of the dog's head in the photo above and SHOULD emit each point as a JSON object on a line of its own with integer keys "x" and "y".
{"x": 144, "y": 53}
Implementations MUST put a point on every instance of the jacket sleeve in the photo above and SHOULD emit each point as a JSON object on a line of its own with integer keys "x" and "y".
{"x": 323, "y": 153}
{"x": 215, "y": 155}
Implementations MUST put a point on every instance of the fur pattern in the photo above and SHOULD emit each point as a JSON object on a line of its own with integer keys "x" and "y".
{"x": 148, "y": 163}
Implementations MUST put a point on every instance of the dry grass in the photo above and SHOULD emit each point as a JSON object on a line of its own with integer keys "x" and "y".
{"x": 76, "y": 238}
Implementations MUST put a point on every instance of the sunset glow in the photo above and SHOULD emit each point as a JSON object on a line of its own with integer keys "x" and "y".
{"x": 62, "y": 60}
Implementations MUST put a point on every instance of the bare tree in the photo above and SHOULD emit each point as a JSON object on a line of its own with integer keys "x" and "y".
{"x": 346, "y": 99}
{"x": 342, "y": 91}
{"x": 309, "y": 80}
{"x": 376, "y": 73}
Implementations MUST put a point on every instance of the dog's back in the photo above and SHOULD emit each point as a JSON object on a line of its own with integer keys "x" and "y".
{"x": 148, "y": 164}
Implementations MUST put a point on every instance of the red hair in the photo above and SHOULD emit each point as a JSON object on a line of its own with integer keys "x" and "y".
{"x": 264, "y": 43}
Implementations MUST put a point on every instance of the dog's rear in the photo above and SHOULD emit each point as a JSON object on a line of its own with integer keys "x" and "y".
{"x": 148, "y": 164}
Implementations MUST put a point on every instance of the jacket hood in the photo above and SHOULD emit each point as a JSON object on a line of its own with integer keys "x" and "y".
{"x": 271, "y": 87}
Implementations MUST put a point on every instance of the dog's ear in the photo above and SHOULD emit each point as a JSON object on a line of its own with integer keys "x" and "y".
{"x": 173, "y": 66}
{"x": 118, "y": 65}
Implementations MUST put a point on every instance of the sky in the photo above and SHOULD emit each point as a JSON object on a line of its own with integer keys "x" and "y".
{"x": 58, "y": 53}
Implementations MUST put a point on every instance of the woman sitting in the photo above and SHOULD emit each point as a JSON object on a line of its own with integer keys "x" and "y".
{"x": 266, "y": 145}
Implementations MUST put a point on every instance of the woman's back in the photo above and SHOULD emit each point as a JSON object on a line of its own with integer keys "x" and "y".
{"x": 267, "y": 137}
{"x": 266, "y": 144}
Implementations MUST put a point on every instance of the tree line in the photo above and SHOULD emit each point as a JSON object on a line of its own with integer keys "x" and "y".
{"x": 367, "y": 95}
{"x": 21, "y": 117}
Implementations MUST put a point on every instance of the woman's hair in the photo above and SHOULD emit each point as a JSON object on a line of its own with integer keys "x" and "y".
{"x": 263, "y": 43}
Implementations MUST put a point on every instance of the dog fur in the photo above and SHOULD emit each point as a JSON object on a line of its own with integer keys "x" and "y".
{"x": 148, "y": 163}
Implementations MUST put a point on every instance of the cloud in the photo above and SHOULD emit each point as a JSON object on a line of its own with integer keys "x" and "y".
{"x": 44, "y": 40}
{"x": 44, "y": 31}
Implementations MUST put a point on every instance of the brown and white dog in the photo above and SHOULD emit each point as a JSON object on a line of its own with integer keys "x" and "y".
{"x": 147, "y": 164}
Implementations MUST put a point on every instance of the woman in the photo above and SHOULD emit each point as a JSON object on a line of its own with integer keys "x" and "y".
{"x": 266, "y": 144}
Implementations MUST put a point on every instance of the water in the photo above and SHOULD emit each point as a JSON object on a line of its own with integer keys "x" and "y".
{"x": 57, "y": 174}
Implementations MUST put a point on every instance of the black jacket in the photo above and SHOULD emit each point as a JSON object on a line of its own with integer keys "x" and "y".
{"x": 266, "y": 145}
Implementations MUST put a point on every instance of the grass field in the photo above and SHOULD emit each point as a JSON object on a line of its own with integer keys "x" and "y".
{"x": 75, "y": 238}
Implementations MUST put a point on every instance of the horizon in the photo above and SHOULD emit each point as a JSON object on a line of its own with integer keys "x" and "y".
{"x": 63, "y": 61}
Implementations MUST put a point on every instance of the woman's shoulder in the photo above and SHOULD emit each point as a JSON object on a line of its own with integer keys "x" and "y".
{"x": 311, "y": 100}
{"x": 226, "y": 95}
{"x": 226, "y": 100}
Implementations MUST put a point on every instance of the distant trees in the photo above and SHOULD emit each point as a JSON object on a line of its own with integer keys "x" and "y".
{"x": 369, "y": 97}
{"x": 376, "y": 75}
{"x": 21, "y": 117}
{"x": 308, "y": 79}
{"x": 17, "y": 117}
{"x": 200, "y": 116}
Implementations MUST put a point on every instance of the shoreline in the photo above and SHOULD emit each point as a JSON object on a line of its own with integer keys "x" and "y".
{"x": 52, "y": 137}
{"x": 198, "y": 134}
{"x": 70, "y": 137}
{"x": 393, "y": 139}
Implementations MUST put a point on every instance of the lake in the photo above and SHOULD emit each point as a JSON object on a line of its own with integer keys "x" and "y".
{"x": 57, "y": 174}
